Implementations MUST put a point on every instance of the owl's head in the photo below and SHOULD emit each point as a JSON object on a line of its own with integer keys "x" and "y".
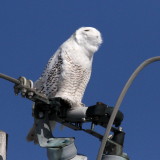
{"x": 88, "y": 37}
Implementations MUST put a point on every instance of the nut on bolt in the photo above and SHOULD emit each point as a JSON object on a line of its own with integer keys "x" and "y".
{"x": 30, "y": 95}
{"x": 23, "y": 92}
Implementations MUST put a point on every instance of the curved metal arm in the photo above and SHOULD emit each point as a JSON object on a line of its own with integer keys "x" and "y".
{"x": 119, "y": 101}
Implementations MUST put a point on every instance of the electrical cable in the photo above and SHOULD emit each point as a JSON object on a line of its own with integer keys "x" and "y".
{"x": 8, "y": 78}
{"x": 119, "y": 101}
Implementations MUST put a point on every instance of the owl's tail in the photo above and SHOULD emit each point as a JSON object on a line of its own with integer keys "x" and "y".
{"x": 32, "y": 135}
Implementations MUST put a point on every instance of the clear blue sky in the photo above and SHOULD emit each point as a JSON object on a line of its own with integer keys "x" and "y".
{"x": 32, "y": 30}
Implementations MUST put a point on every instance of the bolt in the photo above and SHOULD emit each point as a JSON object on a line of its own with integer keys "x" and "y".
{"x": 23, "y": 92}
{"x": 120, "y": 128}
{"x": 41, "y": 115}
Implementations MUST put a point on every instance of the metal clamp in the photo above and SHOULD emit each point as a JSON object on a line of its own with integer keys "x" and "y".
{"x": 114, "y": 146}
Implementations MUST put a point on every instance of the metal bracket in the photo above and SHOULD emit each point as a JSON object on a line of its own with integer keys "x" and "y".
{"x": 57, "y": 148}
{"x": 114, "y": 146}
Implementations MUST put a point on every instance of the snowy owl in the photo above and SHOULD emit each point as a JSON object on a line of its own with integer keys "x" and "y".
{"x": 68, "y": 70}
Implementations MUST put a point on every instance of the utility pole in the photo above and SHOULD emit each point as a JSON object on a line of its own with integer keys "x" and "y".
{"x": 3, "y": 145}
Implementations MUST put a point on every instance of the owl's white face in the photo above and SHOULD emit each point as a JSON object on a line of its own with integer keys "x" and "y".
{"x": 89, "y": 37}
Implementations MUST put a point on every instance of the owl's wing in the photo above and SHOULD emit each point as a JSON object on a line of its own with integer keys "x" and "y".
{"x": 48, "y": 85}
{"x": 48, "y": 82}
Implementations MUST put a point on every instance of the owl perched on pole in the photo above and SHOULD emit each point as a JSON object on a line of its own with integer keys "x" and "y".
{"x": 68, "y": 70}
